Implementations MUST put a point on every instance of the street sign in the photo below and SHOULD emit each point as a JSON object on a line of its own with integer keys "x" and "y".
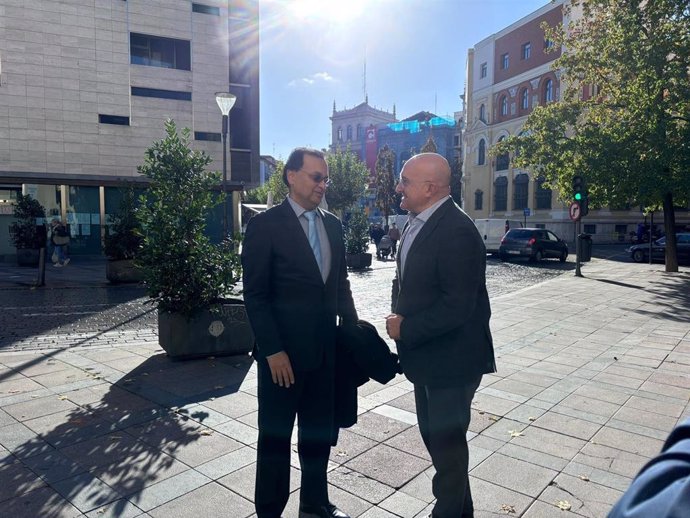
{"x": 574, "y": 211}
{"x": 525, "y": 211}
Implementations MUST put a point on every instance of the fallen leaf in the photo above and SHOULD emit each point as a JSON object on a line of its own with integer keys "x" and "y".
{"x": 341, "y": 453}
{"x": 493, "y": 418}
{"x": 481, "y": 412}
{"x": 62, "y": 398}
{"x": 585, "y": 478}
{"x": 532, "y": 418}
{"x": 564, "y": 505}
{"x": 206, "y": 432}
{"x": 34, "y": 396}
{"x": 514, "y": 433}
{"x": 509, "y": 509}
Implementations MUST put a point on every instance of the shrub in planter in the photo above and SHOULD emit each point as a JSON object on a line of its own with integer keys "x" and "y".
{"x": 26, "y": 233}
{"x": 357, "y": 241}
{"x": 186, "y": 275}
{"x": 122, "y": 242}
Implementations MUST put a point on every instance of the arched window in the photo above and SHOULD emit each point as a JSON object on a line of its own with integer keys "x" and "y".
{"x": 548, "y": 91}
{"x": 478, "y": 199}
{"x": 542, "y": 195}
{"x": 481, "y": 152}
{"x": 520, "y": 189}
{"x": 359, "y": 131}
{"x": 340, "y": 134}
{"x": 524, "y": 99}
{"x": 349, "y": 132}
{"x": 482, "y": 113}
{"x": 502, "y": 160}
{"x": 501, "y": 194}
{"x": 504, "y": 105}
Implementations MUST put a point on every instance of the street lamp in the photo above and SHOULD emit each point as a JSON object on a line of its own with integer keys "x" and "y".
{"x": 225, "y": 102}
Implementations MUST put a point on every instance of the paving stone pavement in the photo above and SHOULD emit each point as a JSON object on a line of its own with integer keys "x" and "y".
{"x": 592, "y": 375}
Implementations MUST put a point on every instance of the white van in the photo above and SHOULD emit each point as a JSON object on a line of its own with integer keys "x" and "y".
{"x": 493, "y": 230}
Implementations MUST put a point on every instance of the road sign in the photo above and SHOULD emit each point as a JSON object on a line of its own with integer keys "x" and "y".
{"x": 525, "y": 211}
{"x": 574, "y": 211}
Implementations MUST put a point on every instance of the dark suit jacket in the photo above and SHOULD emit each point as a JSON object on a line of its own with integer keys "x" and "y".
{"x": 445, "y": 335}
{"x": 289, "y": 306}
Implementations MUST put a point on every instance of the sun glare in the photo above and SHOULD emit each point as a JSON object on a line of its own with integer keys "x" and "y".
{"x": 331, "y": 10}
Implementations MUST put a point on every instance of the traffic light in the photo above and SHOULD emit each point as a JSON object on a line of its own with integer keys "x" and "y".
{"x": 580, "y": 194}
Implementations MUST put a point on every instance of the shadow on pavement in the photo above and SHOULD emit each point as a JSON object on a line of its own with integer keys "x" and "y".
{"x": 115, "y": 440}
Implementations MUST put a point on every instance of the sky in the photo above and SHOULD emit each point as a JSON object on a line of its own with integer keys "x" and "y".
{"x": 313, "y": 53}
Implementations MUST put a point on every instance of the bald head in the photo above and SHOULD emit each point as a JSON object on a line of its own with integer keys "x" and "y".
{"x": 425, "y": 180}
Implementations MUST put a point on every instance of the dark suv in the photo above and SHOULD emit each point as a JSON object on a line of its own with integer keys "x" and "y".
{"x": 534, "y": 243}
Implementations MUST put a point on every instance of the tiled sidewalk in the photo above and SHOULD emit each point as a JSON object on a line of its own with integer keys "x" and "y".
{"x": 593, "y": 374}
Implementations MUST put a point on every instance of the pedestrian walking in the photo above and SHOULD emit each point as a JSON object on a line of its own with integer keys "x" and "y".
{"x": 59, "y": 237}
{"x": 394, "y": 234}
{"x": 295, "y": 287}
{"x": 440, "y": 323}
{"x": 376, "y": 234}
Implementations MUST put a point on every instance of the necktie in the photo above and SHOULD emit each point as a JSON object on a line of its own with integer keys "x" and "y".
{"x": 314, "y": 240}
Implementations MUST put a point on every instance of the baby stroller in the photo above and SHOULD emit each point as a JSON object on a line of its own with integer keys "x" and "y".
{"x": 385, "y": 247}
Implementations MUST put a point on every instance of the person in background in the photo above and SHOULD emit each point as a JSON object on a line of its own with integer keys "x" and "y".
{"x": 440, "y": 323}
{"x": 394, "y": 234}
{"x": 59, "y": 237}
{"x": 295, "y": 288}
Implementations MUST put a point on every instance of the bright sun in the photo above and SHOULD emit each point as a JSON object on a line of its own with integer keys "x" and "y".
{"x": 332, "y": 10}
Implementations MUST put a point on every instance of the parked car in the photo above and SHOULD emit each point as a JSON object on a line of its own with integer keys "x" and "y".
{"x": 534, "y": 243}
{"x": 640, "y": 253}
{"x": 493, "y": 230}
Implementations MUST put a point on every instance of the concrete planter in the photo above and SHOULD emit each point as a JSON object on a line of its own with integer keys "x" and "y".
{"x": 206, "y": 334}
{"x": 358, "y": 261}
{"x": 27, "y": 256}
{"x": 123, "y": 271}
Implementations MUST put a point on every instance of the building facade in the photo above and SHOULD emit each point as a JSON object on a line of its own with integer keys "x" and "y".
{"x": 85, "y": 88}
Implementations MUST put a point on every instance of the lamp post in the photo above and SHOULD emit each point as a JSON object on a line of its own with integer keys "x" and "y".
{"x": 225, "y": 102}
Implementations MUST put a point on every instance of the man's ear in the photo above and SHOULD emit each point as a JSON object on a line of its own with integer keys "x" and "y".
{"x": 290, "y": 176}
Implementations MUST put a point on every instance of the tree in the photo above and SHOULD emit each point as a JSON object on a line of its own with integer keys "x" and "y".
{"x": 349, "y": 177}
{"x": 631, "y": 138}
{"x": 456, "y": 180}
{"x": 24, "y": 232}
{"x": 385, "y": 181}
{"x": 275, "y": 185}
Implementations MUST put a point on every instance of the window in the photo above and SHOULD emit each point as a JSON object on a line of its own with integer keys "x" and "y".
{"x": 482, "y": 113}
{"x": 478, "y": 200}
{"x": 505, "y": 61}
{"x": 340, "y": 134}
{"x": 161, "y": 94}
{"x": 501, "y": 194}
{"x": 156, "y": 51}
{"x": 483, "y": 70}
{"x": 548, "y": 91}
{"x": 590, "y": 229}
{"x": 206, "y": 135}
{"x": 205, "y": 9}
{"x": 502, "y": 160}
{"x": 520, "y": 189}
{"x": 240, "y": 120}
{"x": 524, "y": 99}
{"x": 547, "y": 43}
{"x": 526, "y": 50}
{"x": 359, "y": 131}
{"x": 349, "y": 133}
{"x": 542, "y": 195}
{"x": 113, "y": 119}
{"x": 504, "y": 105}
{"x": 456, "y": 140}
{"x": 481, "y": 152}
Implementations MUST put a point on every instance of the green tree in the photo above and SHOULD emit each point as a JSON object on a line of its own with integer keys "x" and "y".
{"x": 385, "y": 182}
{"x": 631, "y": 138}
{"x": 349, "y": 177}
{"x": 24, "y": 231}
{"x": 274, "y": 185}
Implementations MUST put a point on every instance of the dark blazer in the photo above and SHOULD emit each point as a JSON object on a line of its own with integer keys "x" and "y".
{"x": 445, "y": 335}
{"x": 289, "y": 306}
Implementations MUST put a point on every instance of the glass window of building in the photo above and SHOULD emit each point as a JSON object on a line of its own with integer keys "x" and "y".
{"x": 156, "y": 51}
{"x": 84, "y": 219}
{"x": 504, "y": 105}
{"x": 502, "y": 160}
{"x": 548, "y": 91}
{"x": 526, "y": 50}
{"x": 478, "y": 199}
{"x": 542, "y": 195}
{"x": 340, "y": 134}
{"x": 349, "y": 132}
{"x": 481, "y": 152}
{"x": 501, "y": 194}
{"x": 524, "y": 99}
{"x": 505, "y": 61}
{"x": 520, "y": 192}
{"x": 482, "y": 113}
{"x": 483, "y": 70}
{"x": 359, "y": 131}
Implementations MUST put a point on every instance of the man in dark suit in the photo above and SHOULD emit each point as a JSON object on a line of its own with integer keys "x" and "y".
{"x": 440, "y": 323}
{"x": 295, "y": 287}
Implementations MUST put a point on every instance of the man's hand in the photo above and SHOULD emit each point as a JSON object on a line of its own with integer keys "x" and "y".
{"x": 281, "y": 369}
{"x": 393, "y": 323}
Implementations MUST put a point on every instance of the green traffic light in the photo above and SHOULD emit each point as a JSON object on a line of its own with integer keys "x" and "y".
{"x": 578, "y": 196}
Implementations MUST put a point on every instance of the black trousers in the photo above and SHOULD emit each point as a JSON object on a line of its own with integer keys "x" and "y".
{"x": 444, "y": 416}
{"x": 311, "y": 400}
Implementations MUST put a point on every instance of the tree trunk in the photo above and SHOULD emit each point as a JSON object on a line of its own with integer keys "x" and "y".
{"x": 670, "y": 231}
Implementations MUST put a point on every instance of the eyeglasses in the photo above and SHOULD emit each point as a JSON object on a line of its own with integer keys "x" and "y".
{"x": 318, "y": 178}
{"x": 405, "y": 182}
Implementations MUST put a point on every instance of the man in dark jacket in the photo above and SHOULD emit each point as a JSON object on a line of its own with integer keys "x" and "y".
{"x": 440, "y": 323}
{"x": 295, "y": 288}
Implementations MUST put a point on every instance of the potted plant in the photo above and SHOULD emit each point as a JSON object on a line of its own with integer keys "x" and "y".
{"x": 28, "y": 232}
{"x": 186, "y": 275}
{"x": 122, "y": 242}
{"x": 357, "y": 241}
